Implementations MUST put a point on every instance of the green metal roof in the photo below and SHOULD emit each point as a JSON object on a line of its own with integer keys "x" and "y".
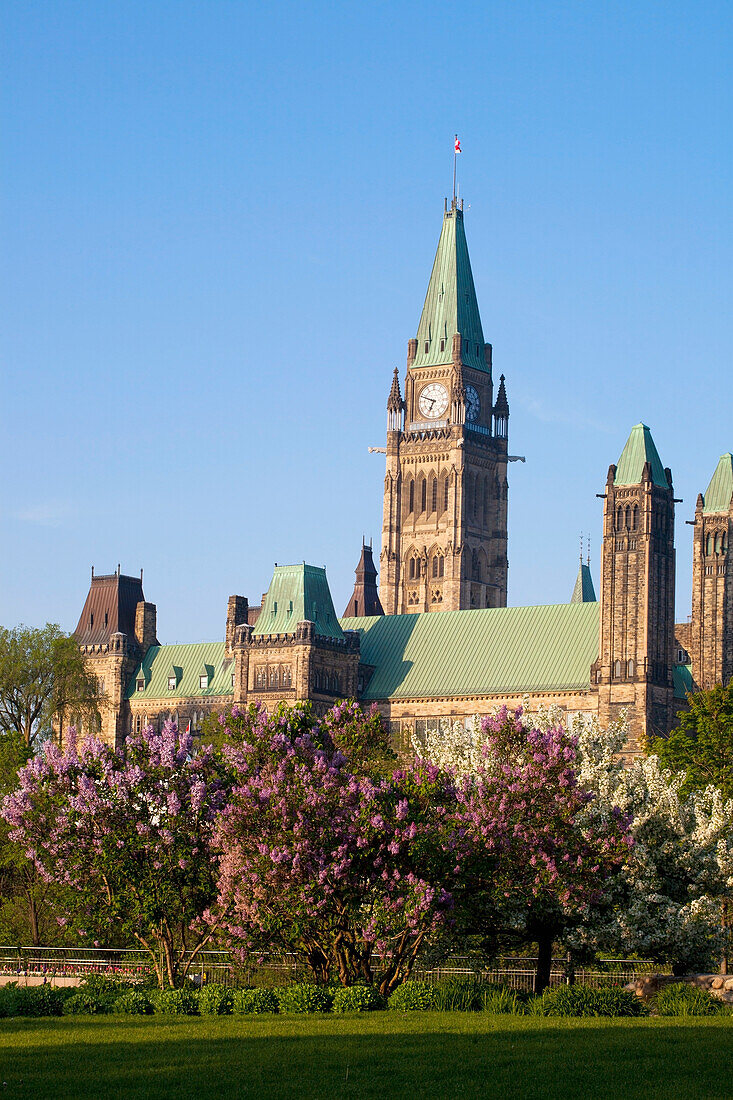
{"x": 682, "y": 679}
{"x": 584, "y": 592}
{"x": 720, "y": 490}
{"x": 639, "y": 449}
{"x": 188, "y": 663}
{"x": 488, "y": 651}
{"x": 298, "y": 592}
{"x": 450, "y": 303}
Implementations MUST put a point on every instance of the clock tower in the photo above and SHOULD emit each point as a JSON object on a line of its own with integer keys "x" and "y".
{"x": 444, "y": 532}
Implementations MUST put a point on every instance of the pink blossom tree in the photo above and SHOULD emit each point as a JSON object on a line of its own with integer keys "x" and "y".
{"x": 326, "y": 863}
{"x": 127, "y": 835}
{"x": 540, "y": 847}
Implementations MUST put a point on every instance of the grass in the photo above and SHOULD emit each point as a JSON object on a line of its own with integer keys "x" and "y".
{"x": 376, "y": 1055}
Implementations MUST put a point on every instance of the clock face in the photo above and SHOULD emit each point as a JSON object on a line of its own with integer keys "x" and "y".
{"x": 473, "y": 403}
{"x": 433, "y": 400}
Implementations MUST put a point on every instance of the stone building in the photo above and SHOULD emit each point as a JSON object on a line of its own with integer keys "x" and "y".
{"x": 436, "y": 639}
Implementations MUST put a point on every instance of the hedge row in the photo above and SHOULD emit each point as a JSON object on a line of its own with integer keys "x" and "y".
{"x": 101, "y": 997}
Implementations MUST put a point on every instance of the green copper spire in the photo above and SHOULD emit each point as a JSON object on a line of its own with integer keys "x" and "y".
{"x": 298, "y": 592}
{"x": 639, "y": 449}
{"x": 584, "y": 592}
{"x": 720, "y": 490}
{"x": 450, "y": 303}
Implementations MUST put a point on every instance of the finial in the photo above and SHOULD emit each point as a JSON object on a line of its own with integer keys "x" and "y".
{"x": 92, "y": 572}
{"x": 581, "y": 547}
{"x": 587, "y": 560}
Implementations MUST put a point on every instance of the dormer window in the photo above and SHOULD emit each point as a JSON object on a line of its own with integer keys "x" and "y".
{"x": 172, "y": 683}
{"x": 141, "y": 684}
{"x": 203, "y": 681}
{"x": 91, "y": 620}
{"x": 106, "y": 618}
{"x": 427, "y": 345}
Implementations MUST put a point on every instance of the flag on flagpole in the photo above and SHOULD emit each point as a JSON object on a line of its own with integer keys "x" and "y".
{"x": 457, "y": 146}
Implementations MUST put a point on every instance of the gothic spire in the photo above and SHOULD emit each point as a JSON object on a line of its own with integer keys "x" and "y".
{"x": 394, "y": 401}
{"x": 450, "y": 304}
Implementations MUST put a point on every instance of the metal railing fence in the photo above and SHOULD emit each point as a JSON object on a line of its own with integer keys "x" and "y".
{"x": 133, "y": 964}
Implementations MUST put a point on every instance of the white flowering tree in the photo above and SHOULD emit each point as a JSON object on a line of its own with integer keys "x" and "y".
{"x": 667, "y": 898}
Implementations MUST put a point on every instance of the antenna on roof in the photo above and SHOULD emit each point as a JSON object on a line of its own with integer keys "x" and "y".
{"x": 92, "y": 572}
{"x": 587, "y": 562}
{"x": 581, "y": 547}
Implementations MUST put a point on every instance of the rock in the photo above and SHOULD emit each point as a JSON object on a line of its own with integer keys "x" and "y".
{"x": 717, "y": 983}
{"x": 728, "y": 983}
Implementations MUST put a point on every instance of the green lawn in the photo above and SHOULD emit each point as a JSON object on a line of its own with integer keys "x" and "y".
{"x": 378, "y": 1055}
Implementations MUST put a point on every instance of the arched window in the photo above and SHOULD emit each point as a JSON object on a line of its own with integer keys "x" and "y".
{"x": 411, "y": 569}
{"x": 434, "y": 494}
{"x": 635, "y": 517}
{"x": 273, "y": 677}
{"x": 630, "y": 668}
{"x": 724, "y": 545}
{"x": 423, "y": 495}
{"x": 438, "y": 568}
{"x": 475, "y": 566}
{"x": 619, "y": 518}
{"x": 628, "y": 517}
{"x": 709, "y": 547}
{"x": 718, "y": 543}
{"x": 617, "y": 670}
{"x": 412, "y": 495}
{"x": 446, "y": 492}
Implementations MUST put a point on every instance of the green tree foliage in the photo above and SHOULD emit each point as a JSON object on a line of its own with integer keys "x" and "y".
{"x": 44, "y": 683}
{"x": 701, "y": 748}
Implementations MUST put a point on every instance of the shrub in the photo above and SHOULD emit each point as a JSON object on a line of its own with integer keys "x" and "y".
{"x": 502, "y": 1001}
{"x": 246, "y": 1002}
{"x": 457, "y": 995}
{"x": 34, "y": 1000}
{"x": 357, "y": 998}
{"x": 99, "y": 985}
{"x": 176, "y": 1002}
{"x": 680, "y": 999}
{"x": 87, "y": 1004}
{"x": 413, "y": 997}
{"x": 215, "y": 1000}
{"x": 134, "y": 1003}
{"x": 580, "y": 1000}
{"x": 304, "y": 997}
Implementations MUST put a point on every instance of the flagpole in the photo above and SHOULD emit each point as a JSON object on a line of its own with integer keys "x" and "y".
{"x": 455, "y": 157}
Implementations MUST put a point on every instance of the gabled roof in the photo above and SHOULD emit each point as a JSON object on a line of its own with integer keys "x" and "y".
{"x": 109, "y": 608}
{"x": 450, "y": 303}
{"x": 298, "y": 592}
{"x": 584, "y": 592}
{"x": 489, "y": 651}
{"x": 720, "y": 490}
{"x": 192, "y": 662}
{"x": 639, "y": 449}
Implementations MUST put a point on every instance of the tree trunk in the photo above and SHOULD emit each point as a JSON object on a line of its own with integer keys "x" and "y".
{"x": 725, "y": 961}
{"x": 544, "y": 961}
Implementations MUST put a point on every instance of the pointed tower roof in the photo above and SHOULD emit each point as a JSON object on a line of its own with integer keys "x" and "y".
{"x": 394, "y": 401}
{"x": 584, "y": 592}
{"x": 298, "y": 593}
{"x": 450, "y": 303}
{"x": 639, "y": 450}
{"x": 109, "y": 608}
{"x": 365, "y": 597}
{"x": 720, "y": 490}
{"x": 502, "y": 405}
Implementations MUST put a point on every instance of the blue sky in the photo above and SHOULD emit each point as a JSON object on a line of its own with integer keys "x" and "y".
{"x": 219, "y": 220}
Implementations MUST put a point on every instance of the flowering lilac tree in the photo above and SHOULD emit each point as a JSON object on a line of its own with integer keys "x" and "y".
{"x": 538, "y": 854}
{"x": 326, "y": 863}
{"x": 127, "y": 835}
